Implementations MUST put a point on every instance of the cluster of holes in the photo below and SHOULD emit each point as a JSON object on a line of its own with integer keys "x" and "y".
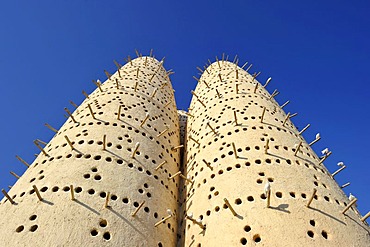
{"x": 32, "y": 228}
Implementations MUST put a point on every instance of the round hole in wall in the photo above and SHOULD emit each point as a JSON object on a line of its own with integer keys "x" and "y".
{"x": 19, "y": 228}
{"x": 257, "y": 238}
{"x": 243, "y": 241}
{"x": 250, "y": 198}
{"x": 324, "y": 234}
{"x": 238, "y": 201}
{"x": 247, "y": 228}
{"x": 125, "y": 200}
{"x": 103, "y": 223}
{"x": 310, "y": 234}
{"x": 312, "y": 222}
{"x": 91, "y": 191}
{"x": 33, "y": 217}
{"x": 279, "y": 194}
{"x": 33, "y": 228}
{"x": 94, "y": 232}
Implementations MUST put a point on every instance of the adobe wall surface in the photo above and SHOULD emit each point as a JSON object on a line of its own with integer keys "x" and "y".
{"x": 218, "y": 173}
{"x": 96, "y": 173}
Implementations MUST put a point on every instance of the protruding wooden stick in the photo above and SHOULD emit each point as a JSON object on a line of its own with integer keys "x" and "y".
{"x": 129, "y": 60}
{"x": 21, "y": 160}
{"x": 205, "y": 83}
{"x": 365, "y": 217}
{"x": 137, "y": 53}
{"x": 42, "y": 150}
{"x": 234, "y": 149}
{"x": 164, "y": 219}
{"x": 267, "y": 82}
{"x": 117, "y": 64}
{"x": 274, "y": 93}
{"x": 72, "y": 192}
{"x": 286, "y": 118}
{"x": 293, "y": 115}
{"x": 196, "y": 78}
{"x": 104, "y": 142}
{"x": 137, "y": 145}
{"x": 268, "y": 198}
{"x": 201, "y": 102}
{"x": 314, "y": 141}
{"x": 14, "y": 174}
{"x": 70, "y": 114}
{"x": 237, "y": 75}
{"x": 160, "y": 165}
{"x": 201, "y": 71}
{"x": 337, "y": 171}
{"x": 69, "y": 142}
{"x": 218, "y": 93}
{"x": 174, "y": 175}
{"x": 144, "y": 120}
{"x": 119, "y": 112}
{"x": 193, "y": 93}
{"x": 267, "y": 146}
{"x": 7, "y": 196}
{"x": 219, "y": 76}
{"x": 189, "y": 114}
{"x": 311, "y": 198}
{"x": 237, "y": 88}
{"x": 205, "y": 68}
{"x": 151, "y": 53}
{"x": 107, "y": 201}
{"x": 345, "y": 185}
{"x": 191, "y": 138}
{"x": 324, "y": 158}
{"x": 136, "y": 84}
{"x": 349, "y": 206}
{"x": 168, "y": 103}
{"x": 37, "y": 192}
{"x": 42, "y": 142}
{"x": 138, "y": 208}
{"x": 51, "y": 128}
{"x": 297, "y": 149}
{"x": 284, "y": 104}
{"x": 249, "y": 67}
{"x": 207, "y": 164}
{"x": 163, "y": 132}
{"x": 199, "y": 223}
{"x": 85, "y": 94}
{"x": 107, "y": 74}
{"x": 154, "y": 92}
{"x": 177, "y": 147}
{"x": 245, "y": 64}
{"x": 230, "y": 207}
{"x": 235, "y": 118}
{"x": 304, "y": 129}
{"x": 255, "y": 88}
{"x": 117, "y": 84}
{"x": 91, "y": 111}
{"x": 263, "y": 113}
{"x": 97, "y": 84}
{"x": 255, "y": 75}
{"x": 218, "y": 62}
{"x": 73, "y": 103}
{"x": 213, "y": 130}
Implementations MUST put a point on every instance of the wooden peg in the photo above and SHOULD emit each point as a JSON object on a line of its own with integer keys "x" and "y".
{"x": 191, "y": 138}
{"x": 213, "y": 130}
{"x": 151, "y": 53}
{"x": 51, "y": 128}
{"x": 107, "y": 74}
{"x": 274, "y": 93}
{"x": 91, "y": 111}
{"x": 223, "y": 57}
{"x": 164, "y": 219}
{"x": 209, "y": 61}
{"x": 249, "y": 67}
{"x": 234, "y": 149}
{"x": 207, "y": 164}
{"x": 137, "y": 145}
{"x": 349, "y": 206}
{"x": 136, "y": 84}
{"x": 85, "y": 94}
{"x": 97, "y": 84}
{"x": 236, "y": 74}
{"x": 235, "y": 59}
{"x": 129, "y": 60}
{"x": 42, "y": 150}
{"x": 160, "y": 165}
{"x": 155, "y": 72}
{"x": 145, "y": 61}
{"x": 174, "y": 175}
{"x": 117, "y": 64}
{"x": 237, "y": 88}
{"x": 314, "y": 141}
{"x": 345, "y": 185}
{"x": 193, "y": 93}
{"x": 137, "y": 53}
{"x": 187, "y": 179}
{"x": 337, "y": 171}
{"x": 164, "y": 131}
{"x": 263, "y": 113}
{"x": 268, "y": 198}
{"x": 104, "y": 142}
{"x": 267, "y": 146}
{"x": 72, "y": 192}
{"x": 42, "y": 142}
{"x": 255, "y": 75}
{"x": 138, "y": 208}
{"x": 297, "y": 149}
{"x": 311, "y": 198}
{"x": 304, "y": 129}
{"x": 117, "y": 84}
{"x": 69, "y": 142}
{"x": 107, "y": 201}
{"x": 218, "y": 93}
{"x": 7, "y": 196}
{"x": 255, "y": 87}
{"x": 235, "y": 119}
{"x": 37, "y": 192}
{"x": 284, "y": 104}
{"x": 73, "y": 104}
{"x": 177, "y": 147}
{"x": 205, "y": 68}
{"x": 21, "y": 160}
{"x": 198, "y": 222}
{"x": 286, "y": 118}
{"x": 189, "y": 114}
{"x": 365, "y": 217}
{"x": 168, "y": 103}
{"x": 14, "y": 174}
{"x": 201, "y": 102}
{"x": 154, "y": 92}
{"x": 219, "y": 76}
{"x": 293, "y": 115}
{"x": 201, "y": 71}
{"x": 137, "y": 73}
{"x": 119, "y": 112}
{"x": 324, "y": 158}
{"x": 230, "y": 207}
{"x": 218, "y": 62}
{"x": 267, "y": 82}
{"x": 245, "y": 64}
{"x": 163, "y": 85}
{"x": 70, "y": 114}
{"x": 119, "y": 74}
{"x": 144, "y": 120}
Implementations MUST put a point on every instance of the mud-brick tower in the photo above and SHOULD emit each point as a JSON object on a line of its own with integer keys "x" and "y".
{"x": 103, "y": 178}
{"x": 243, "y": 143}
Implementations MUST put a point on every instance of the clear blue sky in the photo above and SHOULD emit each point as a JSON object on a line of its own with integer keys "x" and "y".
{"x": 317, "y": 53}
